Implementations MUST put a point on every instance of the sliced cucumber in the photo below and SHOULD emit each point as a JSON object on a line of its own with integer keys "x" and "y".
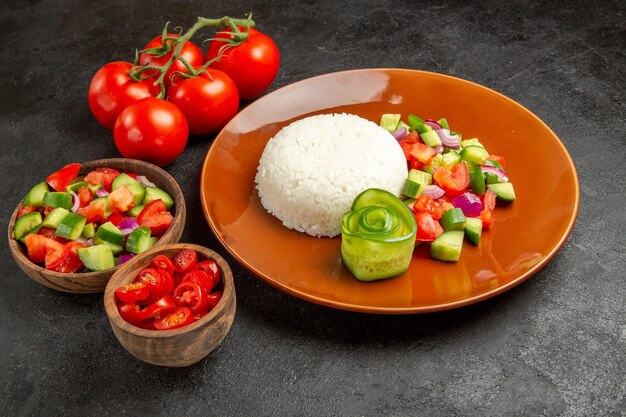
{"x": 475, "y": 154}
{"x": 25, "y": 224}
{"x": 53, "y": 218}
{"x": 122, "y": 179}
{"x": 492, "y": 163}
{"x": 451, "y": 158}
{"x": 503, "y": 190}
{"x": 134, "y": 212}
{"x": 447, "y": 247}
{"x": 35, "y": 196}
{"x": 71, "y": 227}
{"x": 431, "y": 138}
{"x": 58, "y": 199}
{"x": 110, "y": 233}
{"x": 389, "y": 121}
{"x": 412, "y": 189}
{"x": 139, "y": 240}
{"x": 94, "y": 187}
{"x": 97, "y": 257}
{"x": 75, "y": 186}
{"x": 89, "y": 230}
{"x": 473, "y": 229}
{"x": 471, "y": 142}
{"x": 437, "y": 161}
{"x": 107, "y": 206}
{"x": 154, "y": 193}
{"x": 477, "y": 180}
{"x": 115, "y": 249}
{"x": 453, "y": 219}
{"x": 420, "y": 177}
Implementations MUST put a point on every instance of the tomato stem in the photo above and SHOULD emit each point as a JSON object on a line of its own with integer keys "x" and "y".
{"x": 177, "y": 44}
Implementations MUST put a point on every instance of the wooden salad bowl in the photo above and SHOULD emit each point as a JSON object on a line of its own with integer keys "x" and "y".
{"x": 93, "y": 282}
{"x": 177, "y": 347}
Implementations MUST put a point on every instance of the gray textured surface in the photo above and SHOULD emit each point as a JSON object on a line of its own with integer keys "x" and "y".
{"x": 554, "y": 345}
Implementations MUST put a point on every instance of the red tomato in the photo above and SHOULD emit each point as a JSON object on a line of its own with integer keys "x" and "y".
{"x": 121, "y": 199}
{"x": 455, "y": 181}
{"x": 115, "y": 218}
{"x": 36, "y": 247}
{"x": 156, "y": 217}
{"x": 157, "y": 309}
{"x": 25, "y": 210}
{"x": 426, "y": 203}
{"x": 174, "y": 319}
{"x": 153, "y": 130}
{"x": 498, "y": 159}
{"x": 185, "y": 260}
{"x": 214, "y": 298}
{"x": 253, "y": 65}
{"x": 131, "y": 313}
{"x": 407, "y": 143}
{"x": 191, "y": 295}
{"x": 163, "y": 262}
{"x": 102, "y": 176}
{"x": 93, "y": 212}
{"x": 422, "y": 153}
{"x": 51, "y": 234}
{"x": 168, "y": 281}
{"x": 190, "y": 53}
{"x": 55, "y": 253}
{"x": 136, "y": 291}
{"x": 427, "y": 227}
{"x": 112, "y": 90}
{"x": 489, "y": 203}
{"x": 156, "y": 284}
{"x": 84, "y": 195}
{"x": 211, "y": 269}
{"x": 199, "y": 277}
{"x": 208, "y": 100}
{"x": 63, "y": 177}
{"x": 70, "y": 261}
{"x": 489, "y": 199}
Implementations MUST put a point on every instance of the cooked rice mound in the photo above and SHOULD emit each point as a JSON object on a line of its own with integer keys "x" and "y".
{"x": 312, "y": 170}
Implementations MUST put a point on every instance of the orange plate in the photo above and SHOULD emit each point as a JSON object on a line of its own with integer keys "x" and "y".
{"x": 524, "y": 237}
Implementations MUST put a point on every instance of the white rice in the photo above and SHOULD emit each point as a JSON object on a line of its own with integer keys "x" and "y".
{"x": 312, "y": 170}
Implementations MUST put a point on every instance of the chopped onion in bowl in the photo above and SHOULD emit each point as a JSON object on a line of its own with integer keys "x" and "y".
{"x": 76, "y": 201}
{"x": 469, "y": 203}
{"x": 433, "y": 124}
{"x": 102, "y": 192}
{"x": 438, "y": 149}
{"x": 448, "y": 140}
{"x": 142, "y": 179}
{"x": 434, "y": 191}
{"x": 124, "y": 258}
{"x": 128, "y": 223}
{"x": 400, "y": 133}
{"x": 495, "y": 171}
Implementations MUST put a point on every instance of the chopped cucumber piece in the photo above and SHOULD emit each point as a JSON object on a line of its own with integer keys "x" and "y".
{"x": 115, "y": 249}
{"x": 110, "y": 233}
{"x": 154, "y": 193}
{"x": 475, "y": 154}
{"x": 53, "y": 218}
{"x": 451, "y": 158}
{"x": 58, "y": 199}
{"x": 389, "y": 121}
{"x": 89, "y": 230}
{"x": 122, "y": 179}
{"x": 412, "y": 189}
{"x": 97, "y": 257}
{"x": 71, "y": 227}
{"x": 437, "y": 161}
{"x": 404, "y": 125}
{"x": 25, "y": 224}
{"x": 471, "y": 142}
{"x": 443, "y": 122}
{"x": 134, "y": 212}
{"x": 139, "y": 240}
{"x": 492, "y": 163}
{"x": 420, "y": 177}
{"x": 94, "y": 187}
{"x": 477, "y": 180}
{"x": 431, "y": 138}
{"x": 447, "y": 247}
{"x": 453, "y": 219}
{"x": 35, "y": 196}
{"x": 107, "y": 206}
{"x": 75, "y": 186}
{"x": 503, "y": 190}
{"x": 418, "y": 124}
{"x": 473, "y": 229}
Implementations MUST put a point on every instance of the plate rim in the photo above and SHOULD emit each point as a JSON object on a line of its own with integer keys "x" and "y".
{"x": 395, "y": 310}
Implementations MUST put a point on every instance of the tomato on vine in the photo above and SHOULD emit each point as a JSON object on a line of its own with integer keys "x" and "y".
{"x": 252, "y": 64}
{"x": 155, "y": 54}
{"x": 208, "y": 100}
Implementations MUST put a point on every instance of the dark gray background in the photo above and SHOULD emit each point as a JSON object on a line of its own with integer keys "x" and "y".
{"x": 554, "y": 345}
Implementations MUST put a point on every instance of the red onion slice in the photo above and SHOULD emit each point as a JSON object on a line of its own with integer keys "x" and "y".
{"x": 448, "y": 140}
{"x": 433, "y": 124}
{"x": 469, "y": 203}
{"x": 145, "y": 181}
{"x": 76, "y": 201}
{"x": 438, "y": 149}
{"x": 102, "y": 192}
{"x": 89, "y": 242}
{"x": 495, "y": 171}
{"x": 128, "y": 223}
{"x": 434, "y": 191}
{"x": 398, "y": 134}
{"x": 124, "y": 258}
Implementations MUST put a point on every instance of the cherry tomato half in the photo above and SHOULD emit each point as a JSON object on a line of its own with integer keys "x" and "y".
{"x": 214, "y": 298}
{"x": 155, "y": 216}
{"x": 136, "y": 291}
{"x": 199, "y": 277}
{"x": 211, "y": 269}
{"x": 163, "y": 262}
{"x": 208, "y": 100}
{"x": 112, "y": 90}
{"x": 153, "y": 130}
{"x": 253, "y": 65}
{"x": 63, "y": 177}
{"x": 185, "y": 260}
{"x": 155, "y": 282}
{"x": 191, "y": 295}
{"x": 174, "y": 319}
{"x": 157, "y": 309}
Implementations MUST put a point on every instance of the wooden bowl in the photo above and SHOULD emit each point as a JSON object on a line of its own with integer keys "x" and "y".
{"x": 178, "y": 347}
{"x": 92, "y": 282}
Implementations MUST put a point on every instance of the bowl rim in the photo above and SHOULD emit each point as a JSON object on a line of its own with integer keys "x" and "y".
{"x": 180, "y": 213}
{"x": 116, "y": 319}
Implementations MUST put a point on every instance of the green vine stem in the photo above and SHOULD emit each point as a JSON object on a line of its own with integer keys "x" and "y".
{"x": 137, "y": 73}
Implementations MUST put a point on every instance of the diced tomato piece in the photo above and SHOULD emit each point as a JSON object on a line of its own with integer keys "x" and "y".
{"x": 115, "y": 218}
{"x": 45, "y": 210}
{"x": 157, "y": 284}
{"x": 102, "y": 176}
{"x": 84, "y": 195}
{"x": 51, "y": 234}
{"x": 423, "y": 153}
{"x": 455, "y": 181}
{"x": 176, "y": 318}
{"x": 130, "y": 293}
{"x": 185, "y": 260}
{"x": 55, "y": 253}
{"x": 489, "y": 199}
{"x": 156, "y": 217}
{"x": 407, "y": 143}
{"x": 121, "y": 199}
{"x": 415, "y": 164}
{"x": 63, "y": 177}
{"x": 36, "y": 247}
{"x": 131, "y": 313}
{"x": 425, "y": 203}
{"x": 214, "y": 298}
{"x": 211, "y": 269}
{"x": 94, "y": 211}
{"x": 163, "y": 262}
{"x": 486, "y": 215}
{"x": 130, "y": 174}
{"x": 199, "y": 277}
{"x": 427, "y": 227}
{"x": 445, "y": 205}
{"x": 71, "y": 261}
{"x": 25, "y": 210}
{"x": 498, "y": 159}
{"x": 157, "y": 309}
{"x": 191, "y": 295}
{"x": 489, "y": 203}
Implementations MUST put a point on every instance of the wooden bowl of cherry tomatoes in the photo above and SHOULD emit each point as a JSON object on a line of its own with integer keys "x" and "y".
{"x": 68, "y": 273}
{"x": 172, "y": 305}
